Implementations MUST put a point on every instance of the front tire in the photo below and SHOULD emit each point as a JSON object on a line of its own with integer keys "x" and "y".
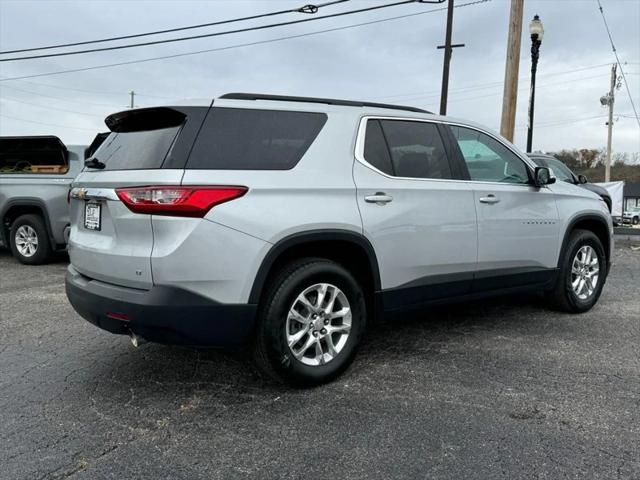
{"x": 29, "y": 240}
{"x": 582, "y": 274}
{"x": 635, "y": 220}
{"x": 310, "y": 322}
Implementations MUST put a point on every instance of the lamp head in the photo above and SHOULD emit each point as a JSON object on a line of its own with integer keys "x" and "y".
{"x": 536, "y": 29}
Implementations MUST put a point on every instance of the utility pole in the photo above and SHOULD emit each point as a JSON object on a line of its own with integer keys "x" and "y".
{"x": 510, "y": 96}
{"x": 132, "y": 94}
{"x": 608, "y": 100}
{"x": 448, "y": 47}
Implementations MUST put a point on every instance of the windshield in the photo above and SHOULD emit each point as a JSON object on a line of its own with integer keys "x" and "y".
{"x": 560, "y": 170}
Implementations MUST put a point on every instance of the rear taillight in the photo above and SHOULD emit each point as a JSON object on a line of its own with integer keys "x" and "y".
{"x": 177, "y": 201}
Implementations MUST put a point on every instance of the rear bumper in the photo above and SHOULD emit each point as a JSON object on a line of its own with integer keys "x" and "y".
{"x": 167, "y": 315}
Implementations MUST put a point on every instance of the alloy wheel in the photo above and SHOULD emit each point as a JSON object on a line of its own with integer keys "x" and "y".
{"x": 26, "y": 241}
{"x": 318, "y": 324}
{"x": 585, "y": 270}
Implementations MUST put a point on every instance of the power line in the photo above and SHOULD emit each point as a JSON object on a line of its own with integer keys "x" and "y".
{"x": 51, "y": 108}
{"x": 230, "y": 47}
{"x": 483, "y": 86}
{"x": 83, "y": 102}
{"x": 524, "y": 87}
{"x": 615, "y": 52}
{"x": 215, "y": 34}
{"x": 555, "y": 123}
{"x": 564, "y": 122}
{"x": 47, "y": 124}
{"x": 95, "y": 92}
{"x": 493, "y": 94}
{"x": 304, "y": 9}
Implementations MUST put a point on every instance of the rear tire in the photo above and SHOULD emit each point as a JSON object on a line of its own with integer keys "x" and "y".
{"x": 29, "y": 240}
{"x": 583, "y": 271}
{"x": 327, "y": 334}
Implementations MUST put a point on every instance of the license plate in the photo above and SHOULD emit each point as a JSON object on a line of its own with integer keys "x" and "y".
{"x": 92, "y": 216}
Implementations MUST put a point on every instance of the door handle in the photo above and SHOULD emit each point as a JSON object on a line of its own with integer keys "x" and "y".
{"x": 490, "y": 199}
{"x": 380, "y": 198}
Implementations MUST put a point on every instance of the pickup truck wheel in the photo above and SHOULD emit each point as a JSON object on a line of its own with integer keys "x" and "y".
{"x": 635, "y": 220}
{"x": 310, "y": 322}
{"x": 29, "y": 240}
{"x": 582, "y": 274}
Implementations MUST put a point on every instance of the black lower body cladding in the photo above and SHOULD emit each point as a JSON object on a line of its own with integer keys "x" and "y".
{"x": 162, "y": 314}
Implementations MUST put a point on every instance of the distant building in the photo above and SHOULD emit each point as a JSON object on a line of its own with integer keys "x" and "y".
{"x": 631, "y": 195}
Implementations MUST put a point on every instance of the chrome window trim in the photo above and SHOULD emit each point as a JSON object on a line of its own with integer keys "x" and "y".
{"x": 359, "y": 149}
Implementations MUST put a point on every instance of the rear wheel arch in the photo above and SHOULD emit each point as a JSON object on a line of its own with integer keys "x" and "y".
{"x": 24, "y": 206}
{"x": 592, "y": 223}
{"x": 350, "y": 249}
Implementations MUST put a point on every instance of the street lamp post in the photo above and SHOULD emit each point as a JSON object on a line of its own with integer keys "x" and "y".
{"x": 537, "y": 32}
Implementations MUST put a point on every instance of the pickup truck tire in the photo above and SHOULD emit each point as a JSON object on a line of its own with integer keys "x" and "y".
{"x": 635, "y": 220}
{"x": 583, "y": 258}
{"x": 335, "y": 336}
{"x": 30, "y": 228}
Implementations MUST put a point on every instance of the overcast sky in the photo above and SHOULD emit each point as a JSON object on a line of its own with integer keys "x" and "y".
{"x": 393, "y": 61}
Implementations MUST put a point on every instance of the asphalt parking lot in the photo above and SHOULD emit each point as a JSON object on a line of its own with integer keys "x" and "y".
{"x": 493, "y": 389}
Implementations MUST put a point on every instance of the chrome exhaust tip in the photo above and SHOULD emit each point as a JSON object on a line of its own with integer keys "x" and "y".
{"x": 136, "y": 340}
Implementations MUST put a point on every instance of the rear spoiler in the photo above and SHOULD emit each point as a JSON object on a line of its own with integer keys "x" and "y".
{"x": 142, "y": 119}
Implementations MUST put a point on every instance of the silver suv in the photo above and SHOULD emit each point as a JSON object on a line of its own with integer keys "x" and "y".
{"x": 290, "y": 223}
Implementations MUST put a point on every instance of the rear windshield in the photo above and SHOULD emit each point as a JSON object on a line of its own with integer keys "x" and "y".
{"x": 136, "y": 150}
{"x": 248, "y": 139}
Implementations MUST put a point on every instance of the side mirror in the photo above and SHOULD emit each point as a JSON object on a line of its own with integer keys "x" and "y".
{"x": 582, "y": 179}
{"x": 543, "y": 176}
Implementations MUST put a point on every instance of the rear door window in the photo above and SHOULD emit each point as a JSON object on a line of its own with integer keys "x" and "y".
{"x": 416, "y": 149}
{"x": 250, "y": 139}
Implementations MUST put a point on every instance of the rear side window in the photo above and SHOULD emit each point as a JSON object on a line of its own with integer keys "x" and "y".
{"x": 249, "y": 139}
{"x": 376, "y": 151}
{"x": 414, "y": 149}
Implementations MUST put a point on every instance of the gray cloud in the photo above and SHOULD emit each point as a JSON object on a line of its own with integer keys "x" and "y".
{"x": 395, "y": 61}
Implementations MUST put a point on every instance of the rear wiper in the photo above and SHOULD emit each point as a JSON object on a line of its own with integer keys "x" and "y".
{"x": 94, "y": 163}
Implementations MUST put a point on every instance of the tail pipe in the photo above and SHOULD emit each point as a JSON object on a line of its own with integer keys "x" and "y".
{"x": 136, "y": 340}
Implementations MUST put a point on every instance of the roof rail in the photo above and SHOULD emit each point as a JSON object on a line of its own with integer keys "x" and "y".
{"x": 329, "y": 101}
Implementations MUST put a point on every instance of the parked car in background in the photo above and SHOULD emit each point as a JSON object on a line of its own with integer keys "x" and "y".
{"x": 564, "y": 173}
{"x": 631, "y": 216}
{"x": 35, "y": 177}
{"x": 291, "y": 223}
